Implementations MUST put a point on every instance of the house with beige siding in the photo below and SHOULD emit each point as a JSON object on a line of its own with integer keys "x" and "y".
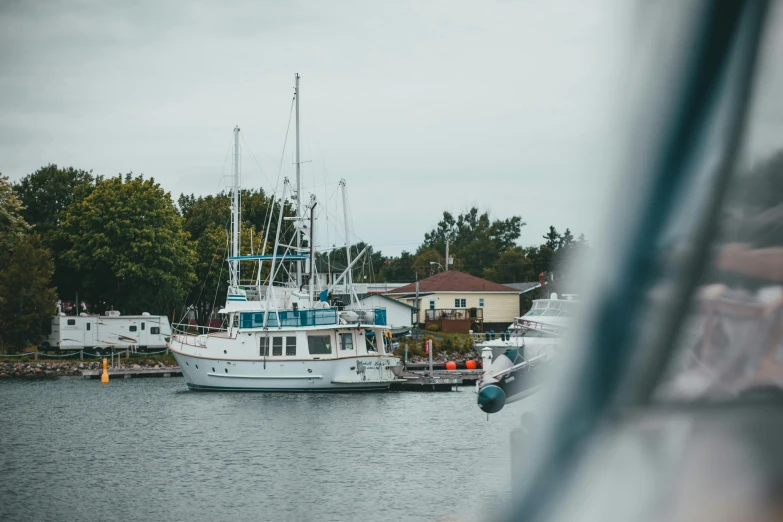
{"x": 458, "y": 302}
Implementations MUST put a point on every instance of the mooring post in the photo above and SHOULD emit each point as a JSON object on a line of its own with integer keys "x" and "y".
{"x": 81, "y": 355}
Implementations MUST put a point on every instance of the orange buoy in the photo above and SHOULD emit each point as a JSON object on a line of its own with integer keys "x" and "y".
{"x": 470, "y": 364}
{"x": 451, "y": 365}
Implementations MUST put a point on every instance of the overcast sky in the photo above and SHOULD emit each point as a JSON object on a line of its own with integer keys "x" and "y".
{"x": 422, "y": 106}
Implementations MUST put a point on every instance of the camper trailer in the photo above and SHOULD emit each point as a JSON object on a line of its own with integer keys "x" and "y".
{"x": 112, "y": 331}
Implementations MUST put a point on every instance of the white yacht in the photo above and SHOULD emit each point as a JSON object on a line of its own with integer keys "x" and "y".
{"x": 514, "y": 364}
{"x": 542, "y": 327}
{"x": 282, "y": 333}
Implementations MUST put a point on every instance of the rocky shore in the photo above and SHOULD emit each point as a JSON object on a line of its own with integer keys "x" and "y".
{"x": 59, "y": 369}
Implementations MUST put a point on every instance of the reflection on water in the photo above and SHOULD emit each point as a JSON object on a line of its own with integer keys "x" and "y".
{"x": 147, "y": 450}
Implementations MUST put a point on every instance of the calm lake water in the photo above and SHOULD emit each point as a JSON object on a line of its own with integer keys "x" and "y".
{"x": 148, "y": 449}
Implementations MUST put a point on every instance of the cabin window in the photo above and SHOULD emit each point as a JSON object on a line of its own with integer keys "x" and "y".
{"x": 277, "y": 346}
{"x": 236, "y": 321}
{"x": 290, "y": 346}
{"x": 71, "y": 322}
{"x": 154, "y": 330}
{"x": 88, "y": 327}
{"x": 370, "y": 344}
{"x": 319, "y": 344}
{"x": 264, "y": 346}
{"x": 432, "y": 304}
{"x": 481, "y": 302}
{"x": 142, "y": 326}
{"x": 346, "y": 341}
{"x": 460, "y": 303}
{"x": 132, "y": 328}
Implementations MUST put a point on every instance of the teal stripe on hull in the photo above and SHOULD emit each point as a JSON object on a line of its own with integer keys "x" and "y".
{"x": 199, "y": 387}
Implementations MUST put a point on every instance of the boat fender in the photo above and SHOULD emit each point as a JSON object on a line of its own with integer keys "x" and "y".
{"x": 491, "y": 399}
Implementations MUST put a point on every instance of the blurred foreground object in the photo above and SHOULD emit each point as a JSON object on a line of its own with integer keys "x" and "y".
{"x": 673, "y": 405}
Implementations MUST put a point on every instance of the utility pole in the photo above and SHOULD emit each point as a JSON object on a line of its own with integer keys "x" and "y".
{"x": 447, "y": 255}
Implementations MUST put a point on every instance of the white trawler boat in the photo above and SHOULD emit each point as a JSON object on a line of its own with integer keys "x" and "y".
{"x": 287, "y": 336}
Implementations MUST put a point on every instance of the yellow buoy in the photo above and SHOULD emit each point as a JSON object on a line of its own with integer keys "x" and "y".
{"x": 105, "y": 374}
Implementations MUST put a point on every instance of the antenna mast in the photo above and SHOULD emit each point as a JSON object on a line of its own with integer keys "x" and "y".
{"x": 235, "y": 213}
{"x": 349, "y": 279}
{"x": 298, "y": 188}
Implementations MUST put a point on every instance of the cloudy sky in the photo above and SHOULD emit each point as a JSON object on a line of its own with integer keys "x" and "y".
{"x": 422, "y": 106}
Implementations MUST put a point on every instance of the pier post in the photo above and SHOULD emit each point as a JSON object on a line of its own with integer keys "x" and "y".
{"x": 486, "y": 358}
{"x": 81, "y": 355}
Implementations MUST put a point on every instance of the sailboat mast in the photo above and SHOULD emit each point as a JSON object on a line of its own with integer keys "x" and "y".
{"x": 235, "y": 212}
{"x": 349, "y": 278}
{"x": 298, "y": 189}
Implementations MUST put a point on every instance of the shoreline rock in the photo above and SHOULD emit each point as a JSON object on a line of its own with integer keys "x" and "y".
{"x": 44, "y": 370}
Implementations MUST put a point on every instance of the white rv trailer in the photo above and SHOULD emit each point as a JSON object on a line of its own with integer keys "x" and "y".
{"x": 113, "y": 331}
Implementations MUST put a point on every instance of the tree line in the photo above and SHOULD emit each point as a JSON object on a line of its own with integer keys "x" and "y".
{"x": 123, "y": 243}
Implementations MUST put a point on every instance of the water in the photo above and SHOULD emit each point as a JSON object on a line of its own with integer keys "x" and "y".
{"x": 148, "y": 449}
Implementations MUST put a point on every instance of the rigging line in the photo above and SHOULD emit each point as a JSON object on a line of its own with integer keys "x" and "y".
{"x": 217, "y": 286}
{"x": 204, "y": 283}
{"x": 271, "y": 210}
{"x": 254, "y": 159}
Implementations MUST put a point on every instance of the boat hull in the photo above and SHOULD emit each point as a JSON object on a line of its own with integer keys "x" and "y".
{"x": 351, "y": 374}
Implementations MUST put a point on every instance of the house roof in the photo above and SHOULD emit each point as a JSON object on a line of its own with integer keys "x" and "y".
{"x": 453, "y": 281}
{"x": 524, "y": 288}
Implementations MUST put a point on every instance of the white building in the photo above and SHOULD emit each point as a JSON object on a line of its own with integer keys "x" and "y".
{"x": 398, "y": 313}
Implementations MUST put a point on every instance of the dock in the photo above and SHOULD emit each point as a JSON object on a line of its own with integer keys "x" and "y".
{"x": 439, "y": 380}
{"x": 127, "y": 373}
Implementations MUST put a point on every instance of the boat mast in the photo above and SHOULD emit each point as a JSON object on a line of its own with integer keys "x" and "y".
{"x": 349, "y": 278}
{"x": 311, "y": 279}
{"x": 235, "y": 213}
{"x": 298, "y": 188}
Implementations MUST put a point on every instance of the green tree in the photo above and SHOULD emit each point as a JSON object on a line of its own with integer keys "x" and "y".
{"x": 553, "y": 239}
{"x": 12, "y": 224}
{"x": 475, "y": 239}
{"x": 27, "y": 301}
{"x": 511, "y": 267}
{"x": 398, "y": 269}
{"x": 421, "y": 263}
{"x": 127, "y": 242}
{"x": 46, "y": 194}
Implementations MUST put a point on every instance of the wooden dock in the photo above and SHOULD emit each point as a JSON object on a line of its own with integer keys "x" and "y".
{"x": 440, "y": 380}
{"x": 127, "y": 373}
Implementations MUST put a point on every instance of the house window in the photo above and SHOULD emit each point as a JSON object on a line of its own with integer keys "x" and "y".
{"x": 481, "y": 302}
{"x": 88, "y": 327}
{"x": 277, "y": 346}
{"x": 346, "y": 341}
{"x": 71, "y": 322}
{"x": 432, "y": 304}
{"x": 460, "y": 303}
{"x": 132, "y": 328}
{"x": 290, "y": 346}
{"x": 264, "y": 346}
{"x": 319, "y": 344}
{"x": 155, "y": 330}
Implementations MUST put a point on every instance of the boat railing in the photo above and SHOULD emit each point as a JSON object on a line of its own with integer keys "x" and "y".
{"x": 542, "y": 327}
{"x": 194, "y": 335}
